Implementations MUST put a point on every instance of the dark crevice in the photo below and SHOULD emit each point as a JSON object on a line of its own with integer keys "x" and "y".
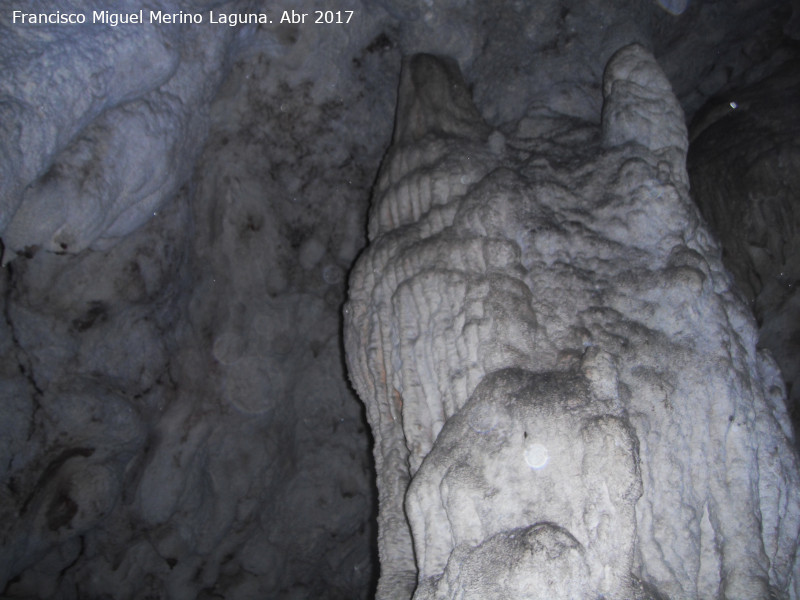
{"x": 23, "y": 360}
{"x": 51, "y": 470}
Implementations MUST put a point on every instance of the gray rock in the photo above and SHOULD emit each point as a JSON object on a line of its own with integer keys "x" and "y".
{"x": 556, "y": 368}
{"x": 105, "y": 162}
{"x": 744, "y": 165}
{"x": 174, "y": 416}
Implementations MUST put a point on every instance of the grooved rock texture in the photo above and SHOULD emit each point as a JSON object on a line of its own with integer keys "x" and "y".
{"x": 744, "y": 165}
{"x": 563, "y": 386}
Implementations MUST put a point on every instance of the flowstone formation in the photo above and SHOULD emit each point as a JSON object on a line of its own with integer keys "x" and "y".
{"x": 563, "y": 386}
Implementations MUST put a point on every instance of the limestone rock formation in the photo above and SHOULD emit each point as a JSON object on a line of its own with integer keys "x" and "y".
{"x": 179, "y": 205}
{"x": 82, "y": 169}
{"x": 744, "y": 165}
{"x": 175, "y": 422}
{"x": 562, "y": 383}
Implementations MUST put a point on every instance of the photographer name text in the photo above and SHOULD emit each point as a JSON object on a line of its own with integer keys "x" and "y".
{"x": 113, "y": 19}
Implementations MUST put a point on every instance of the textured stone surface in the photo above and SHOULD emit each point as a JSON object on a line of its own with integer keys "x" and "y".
{"x": 744, "y": 165}
{"x": 544, "y": 335}
{"x": 101, "y": 163}
{"x": 175, "y": 420}
{"x": 528, "y": 452}
{"x": 175, "y": 417}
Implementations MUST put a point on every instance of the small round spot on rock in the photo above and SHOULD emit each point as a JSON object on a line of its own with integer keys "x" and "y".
{"x": 228, "y": 348}
{"x": 536, "y": 455}
{"x": 332, "y": 274}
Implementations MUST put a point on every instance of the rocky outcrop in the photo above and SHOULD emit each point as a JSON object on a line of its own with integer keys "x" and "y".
{"x": 563, "y": 387}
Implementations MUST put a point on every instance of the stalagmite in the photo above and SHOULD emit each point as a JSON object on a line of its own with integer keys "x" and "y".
{"x": 563, "y": 386}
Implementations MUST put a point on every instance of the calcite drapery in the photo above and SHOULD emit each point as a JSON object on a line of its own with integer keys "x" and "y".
{"x": 563, "y": 387}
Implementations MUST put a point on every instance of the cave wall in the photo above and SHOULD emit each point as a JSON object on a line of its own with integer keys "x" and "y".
{"x": 179, "y": 208}
{"x": 176, "y": 420}
{"x": 743, "y": 167}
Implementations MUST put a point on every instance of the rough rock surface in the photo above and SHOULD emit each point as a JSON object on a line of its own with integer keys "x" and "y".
{"x": 174, "y": 414}
{"x": 147, "y": 112}
{"x": 563, "y": 385}
{"x": 744, "y": 165}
